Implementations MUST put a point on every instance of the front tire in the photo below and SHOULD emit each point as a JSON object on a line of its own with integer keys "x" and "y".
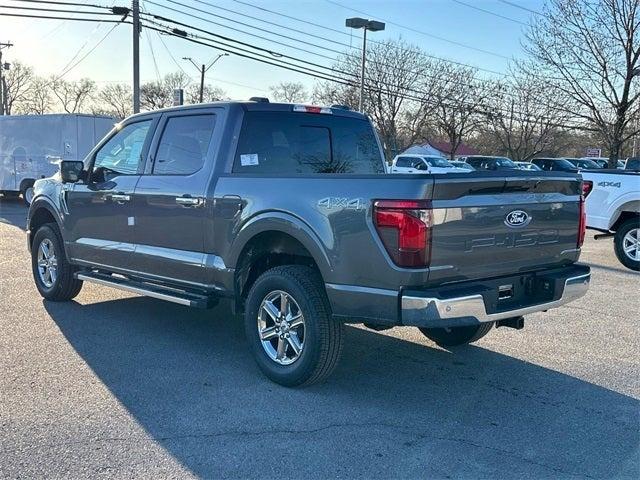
{"x": 627, "y": 243}
{"x": 455, "y": 336}
{"x": 289, "y": 327}
{"x": 52, "y": 272}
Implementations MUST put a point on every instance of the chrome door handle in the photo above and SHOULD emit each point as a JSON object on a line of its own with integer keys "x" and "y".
{"x": 120, "y": 197}
{"x": 190, "y": 201}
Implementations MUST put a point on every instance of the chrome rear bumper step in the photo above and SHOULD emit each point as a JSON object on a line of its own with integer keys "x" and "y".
{"x": 181, "y": 297}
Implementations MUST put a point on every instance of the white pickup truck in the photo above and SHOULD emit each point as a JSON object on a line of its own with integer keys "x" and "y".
{"x": 613, "y": 207}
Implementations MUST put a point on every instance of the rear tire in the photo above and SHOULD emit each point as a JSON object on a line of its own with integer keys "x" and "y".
{"x": 27, "y": 194}
{"x": 291, "y": 354}
{"x": 52, "y": 272}
{"x": 626, "y": 243}
{"x": 455, "y": 336}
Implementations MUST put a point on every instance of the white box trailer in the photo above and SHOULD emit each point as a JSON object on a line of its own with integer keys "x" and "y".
{"x": 31, "y": 145}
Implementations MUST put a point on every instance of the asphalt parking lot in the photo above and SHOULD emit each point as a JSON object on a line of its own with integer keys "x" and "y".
{"x": 113, "y": 385}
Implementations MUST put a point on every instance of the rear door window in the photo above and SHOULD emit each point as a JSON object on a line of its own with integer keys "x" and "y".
{"x": 184, "y": 144}
{"x": 302, "y": 143}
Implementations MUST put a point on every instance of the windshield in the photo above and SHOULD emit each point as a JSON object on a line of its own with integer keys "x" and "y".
{"x": 561, "y": 164}
{"x": 633, "y": 164}
{"x": 437, "y": 162}
{"x": 588, "y": 164}
{"x": 505, "y": 162}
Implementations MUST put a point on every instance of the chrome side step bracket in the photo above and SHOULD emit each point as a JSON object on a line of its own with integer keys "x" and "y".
{"x": 181, "y": 297}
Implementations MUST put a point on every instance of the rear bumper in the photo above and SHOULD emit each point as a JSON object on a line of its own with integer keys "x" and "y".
{"x": 451, "y": 307}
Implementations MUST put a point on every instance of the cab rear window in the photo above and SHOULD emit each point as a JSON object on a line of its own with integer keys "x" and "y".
{"x": 303, "y": 143}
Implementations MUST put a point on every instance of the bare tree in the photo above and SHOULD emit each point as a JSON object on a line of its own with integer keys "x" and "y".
{"x": 210, "y": 93}
{"x": 460, "y": 98}
{"x": 289, "y": 92}
{"x": 394, "y": 90}
{"x": 589, "y": 50}
{"x": 72, "y": 95}
{"x": 115, "y": 99}
{"x": 16, "y": 85}
{"x": 38, "y": 99}
{"x": 524, "y": 114}
{"x": 159, "y": 94}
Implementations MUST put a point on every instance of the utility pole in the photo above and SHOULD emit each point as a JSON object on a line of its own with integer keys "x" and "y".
{"x": 203, "y": 69}
{"x": 135, "y": 7}
{"x": 2, "y": 82}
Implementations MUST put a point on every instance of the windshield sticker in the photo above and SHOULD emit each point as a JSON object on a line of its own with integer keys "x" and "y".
{"x": 249, "y": 159}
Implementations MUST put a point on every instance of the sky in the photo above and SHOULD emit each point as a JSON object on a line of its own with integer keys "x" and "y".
{"x": 451, "y": 29}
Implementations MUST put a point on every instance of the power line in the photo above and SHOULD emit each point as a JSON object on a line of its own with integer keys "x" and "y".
{"x": 431, "y": 35}
{"x": 54, "y": 10}
{"x": 49, "y": 17}
{"x": 335, "y": 30}
{"x": 522, "y": 7}
{"x": 460, "y": 2}
{"x": 88, "y": 53}
{"x": 57, "y": 2}
{"x": 82, "y": 46}
{"x": 172, "y": 57}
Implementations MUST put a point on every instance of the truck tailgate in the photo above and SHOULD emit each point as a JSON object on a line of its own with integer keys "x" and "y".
{"x": 486, "y": 225}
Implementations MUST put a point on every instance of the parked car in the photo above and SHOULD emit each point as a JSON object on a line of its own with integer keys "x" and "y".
{"x": 461, "y": 164}
{"x": 604, "y": 162}
{"x": 415, "y": 163}
{"x": 613, "y": 207}
{"x": 482, "y": 162}
{"x": 285, "y": 210}
{"x": 31, "y": 146}
{"x": 632, "y": 163}
{"x": 555, "y": 164}
{"x": 584, "y": 163}
{"x": 527, "y": 166}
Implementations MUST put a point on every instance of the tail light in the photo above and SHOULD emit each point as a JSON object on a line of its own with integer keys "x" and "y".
{"x": 587, "y": 186}
{"x": 404, "y": 226}
{"x": 582, "y": 224}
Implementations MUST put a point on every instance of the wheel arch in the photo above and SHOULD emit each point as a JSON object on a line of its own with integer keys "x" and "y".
{"x": 624, "y": 212}
{"x": 272, "y": 241}
{"x": 26, "y": 183}
{"x": 42, "y": 212}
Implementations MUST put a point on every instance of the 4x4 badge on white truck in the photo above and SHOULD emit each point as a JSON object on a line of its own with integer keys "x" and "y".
{"x": 517, "y": 218}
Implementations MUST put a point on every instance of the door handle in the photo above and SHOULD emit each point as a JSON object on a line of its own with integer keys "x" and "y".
{"x": 120, "y": 198}
{"x": 190, "y": 201}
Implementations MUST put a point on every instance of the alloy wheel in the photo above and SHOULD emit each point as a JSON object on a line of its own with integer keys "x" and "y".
{"x": 47, "y": 263}
{"x": 281, "y": 327}
{"x": 631, "y": 244}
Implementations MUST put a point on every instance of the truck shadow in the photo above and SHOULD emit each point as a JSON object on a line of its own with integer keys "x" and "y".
{"x": 393, "y": 408}
{"x": 13, "y": 212}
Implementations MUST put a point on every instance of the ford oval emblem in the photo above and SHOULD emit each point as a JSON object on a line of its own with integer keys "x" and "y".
{"x": 517, "y": 218}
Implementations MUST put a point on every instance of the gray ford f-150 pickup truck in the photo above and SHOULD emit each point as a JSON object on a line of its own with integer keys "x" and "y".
{"x": 286, "y": 210}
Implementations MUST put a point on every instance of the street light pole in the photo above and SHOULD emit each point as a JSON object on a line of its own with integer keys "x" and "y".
{"x": 365, "y": 24}
{"x": 364, "y": 60}
{"x": 203, "y": 69}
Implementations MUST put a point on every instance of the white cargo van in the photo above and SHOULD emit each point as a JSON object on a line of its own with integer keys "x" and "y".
{"x": 30, "y": 146}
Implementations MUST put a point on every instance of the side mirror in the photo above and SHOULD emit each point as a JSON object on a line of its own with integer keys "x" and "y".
{"x": 71, "y": 170}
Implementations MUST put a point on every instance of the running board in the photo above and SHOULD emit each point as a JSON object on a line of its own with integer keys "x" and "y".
{"x": 181, "y": 297}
